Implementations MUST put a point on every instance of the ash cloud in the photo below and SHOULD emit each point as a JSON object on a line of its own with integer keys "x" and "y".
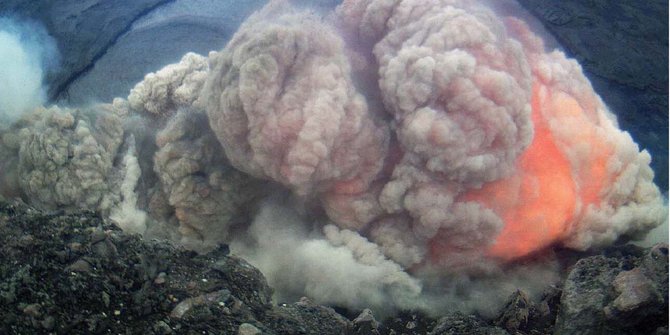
{"x": 27, "y": 54}
{"x": 389, "y": 154}
{"x": 333, "y": 266}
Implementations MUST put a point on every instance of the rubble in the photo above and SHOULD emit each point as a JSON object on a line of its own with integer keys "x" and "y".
{"x": 76, "y": 273}
{"x": 460, "y": 324}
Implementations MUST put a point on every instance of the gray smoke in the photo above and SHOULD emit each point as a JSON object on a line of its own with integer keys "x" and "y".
{"x": 302, "y": 257}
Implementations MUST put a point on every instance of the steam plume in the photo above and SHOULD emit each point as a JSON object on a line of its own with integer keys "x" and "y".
{"x": 26, "y": 53}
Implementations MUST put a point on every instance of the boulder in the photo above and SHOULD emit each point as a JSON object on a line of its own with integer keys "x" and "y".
{"x": 625, "y": 292}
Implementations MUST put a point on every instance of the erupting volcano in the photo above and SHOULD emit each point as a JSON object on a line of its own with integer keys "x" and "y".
{"x": 415, "y": 135}
{"x": 483, "y": 142}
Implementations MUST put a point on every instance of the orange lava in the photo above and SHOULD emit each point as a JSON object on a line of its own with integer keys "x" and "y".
{"x": 542, "y": 201}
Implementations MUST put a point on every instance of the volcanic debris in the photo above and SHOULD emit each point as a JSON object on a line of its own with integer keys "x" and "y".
{"x": 74, "y": 273}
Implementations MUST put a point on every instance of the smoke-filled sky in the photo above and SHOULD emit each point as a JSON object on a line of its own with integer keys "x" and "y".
{"x": 372, "y": 155}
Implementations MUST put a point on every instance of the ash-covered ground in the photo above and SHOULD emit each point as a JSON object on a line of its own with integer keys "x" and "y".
{"x": 76, "y": 274}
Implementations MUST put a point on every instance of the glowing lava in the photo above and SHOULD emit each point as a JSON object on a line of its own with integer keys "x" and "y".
{"x": 542, "y": 201}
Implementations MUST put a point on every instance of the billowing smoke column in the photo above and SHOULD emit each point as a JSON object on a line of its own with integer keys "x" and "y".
{"x": 410, "y": 142}
{"x": 485, "y": 145}
{"x": 282, "y": 102}
{"x": 64, "y": 157}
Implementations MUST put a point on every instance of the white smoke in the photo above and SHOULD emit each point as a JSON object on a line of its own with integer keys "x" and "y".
{"x": 660, "y": 234}
{"x": 27, "y": 52}
{"x": 340, "y": 267}
{"x": 126, "y": 215}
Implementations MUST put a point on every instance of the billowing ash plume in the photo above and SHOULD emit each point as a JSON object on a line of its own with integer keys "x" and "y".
{"x": 208, "y": 196}
{"x": 408, "y": 152}
{"x": 26, "y": 53}
{"x": 62, "y": 158}
{"x": 492, "y": 148}
{"x": 282, "y": 102}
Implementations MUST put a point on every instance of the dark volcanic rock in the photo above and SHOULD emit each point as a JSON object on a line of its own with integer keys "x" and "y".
{"x": 460, "y": 324}
{"x": 408, "y": 323}
{"x": 516, "y": 313}
{"x": 521, "y": 315}
{"x": 75, "y": 274}
{"x": 624, "y": 292}
{"x": 304, "y": 317}
{"x": 365, "y": 323}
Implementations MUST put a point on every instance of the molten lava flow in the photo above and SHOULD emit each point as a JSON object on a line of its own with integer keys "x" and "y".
{"x": 544, "y": 198}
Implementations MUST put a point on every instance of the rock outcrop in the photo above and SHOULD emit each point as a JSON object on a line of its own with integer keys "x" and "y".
{"x": 622, "y": 292}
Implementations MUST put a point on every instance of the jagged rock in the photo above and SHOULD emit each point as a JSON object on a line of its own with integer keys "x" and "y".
{"x": 366, "y": 324}
{"x": 642, "y": 291}
{"x": 460, "y": 324}
{"x": 516, "y": 312}
{"x": 637, "y": 293}
{"x": 407, "y": 323}
{"x": 248, "y": 329}
{"x": 522, "y": 315}
{"x": 621, "y": 293}
{"x": 116, "y": 291}
{"x": 547, "y": 310}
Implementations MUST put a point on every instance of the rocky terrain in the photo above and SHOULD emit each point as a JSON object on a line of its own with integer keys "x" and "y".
{"x": 72, "y": 273}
